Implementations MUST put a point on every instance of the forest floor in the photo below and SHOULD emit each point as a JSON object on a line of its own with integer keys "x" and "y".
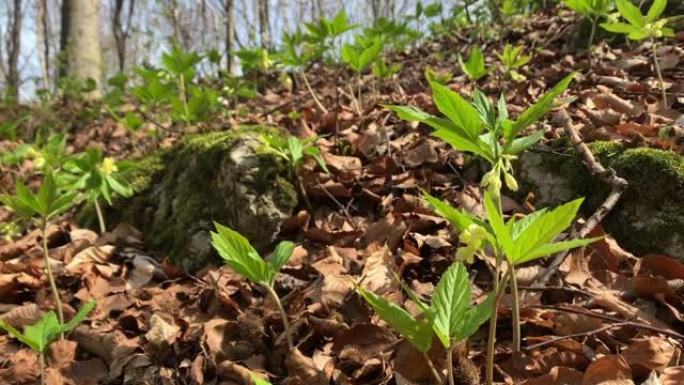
{"x": 607, "y": 316}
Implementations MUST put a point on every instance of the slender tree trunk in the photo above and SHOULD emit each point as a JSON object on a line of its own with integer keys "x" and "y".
{"x": 229, "y": 10}
{"x": 80, "y": 41}
{"x": 13, "y": 48}
{"x": 264, "y": 24}
{"x": 44, "y": 34}
{"x": 121, "y": 32}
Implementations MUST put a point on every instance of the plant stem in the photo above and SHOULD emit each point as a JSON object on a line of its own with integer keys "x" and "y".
{"x": 516, "y": 310}
{"x": 660, "y": 75}
{"x": 302, "y": 190}
{"x": 51, "y": 277}
{"x": 313, "y": 94}
{"x": 450, "y": 364}
{"x": 41, "y": 361}
{"x": 594, "y": 22}
{"x": 185, "y": 101}
{"x": 283, "y": 315}
{"x": 100, "y": 217}
{"x": 433, "y": 370}
{"x": 491, "y": 339}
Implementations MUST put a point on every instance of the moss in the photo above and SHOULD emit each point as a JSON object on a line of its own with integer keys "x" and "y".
{"x": 218, "y": 176}
{"x": 650, "y": 215}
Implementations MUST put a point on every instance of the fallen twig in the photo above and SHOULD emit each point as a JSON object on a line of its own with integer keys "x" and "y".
{"x": 597, "y": 170}
{"x": 575, "y": 335}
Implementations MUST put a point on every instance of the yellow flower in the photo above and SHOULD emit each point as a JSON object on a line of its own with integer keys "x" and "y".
{"x": 108, "y": 166}
{"x": 472, "y": 237}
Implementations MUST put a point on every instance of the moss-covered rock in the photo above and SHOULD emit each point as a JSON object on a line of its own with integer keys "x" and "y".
{"x": 219, "y": 176}
{"x": 650, "y": 215}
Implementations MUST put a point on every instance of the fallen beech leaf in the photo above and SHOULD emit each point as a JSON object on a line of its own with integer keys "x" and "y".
{"x": 23, "y": 315}
{"x": 608, "y": 370}
{"x": 161, "y": 333}
{"x": 673, "y": 376}
{"x": 647, "y": 354}
{"x": 378, "y": 272}
{"x": 303, "y": 369}
{"x": 93, "y": 254}
{"x": 62, "y": 353}
{"x": 557, "y": 376}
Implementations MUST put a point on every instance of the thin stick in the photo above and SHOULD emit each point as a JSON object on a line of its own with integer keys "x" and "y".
{"x": 594, "y": 21}
{"x": 434, "y": 371}
{"x": 575, "y": 335}
{"x": 641, "y": 325}
{"x": 313, "y": 94}
{"x": 516, "y": 310}
{"x": 597, "y": 170}
{"x": 660, "y": 75}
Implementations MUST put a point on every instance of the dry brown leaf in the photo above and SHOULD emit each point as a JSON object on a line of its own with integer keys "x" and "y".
{"x": 62, "y": 353}
{"x": 673, "y": 376}
{"x": 378, "y": 271}
{"x": 608, "y": 370}
{"x": 23, "y": 315}
{"x": 303, "y": 369}
{"x": 647, "y": 354}
{"x": 557, "y": 376}
{"x": 161, "y": 333}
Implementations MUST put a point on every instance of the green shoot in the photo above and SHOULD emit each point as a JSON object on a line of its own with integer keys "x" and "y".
{"x": 474, "y": 67}
{"x": 40, "y": 335}
{"x": 640, "y": 27}
{"x": 99, "y": 177}
{"x": 41, "y": 207}
{"x": 512, "y": 59}
{"x": 359, "y": 58}
{"x": 593, "y": 10}
{"x": 240, "y": 256}
{"x": 294, "y": 152}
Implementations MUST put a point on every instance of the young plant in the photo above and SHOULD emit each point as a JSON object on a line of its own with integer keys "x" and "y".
{"x": 484, "y": 129}
{"x": 99, "y": 177}
{"x": 294, "y": 152}
{"x": 240, "y": 256}
{"x": 450, "y": 316}
{"x": 474, "y": 67}
{"x": 325, "y": 34}
{"x": 512, "y": 59}
{"x": 41, "y": 207}
{"x": 297, "y": 54}
{"x": 516, "y": 241}
{"x": 40, "y": 335}
{"x": 593, "y": 10}
{"x": 441, "y": 77}
{"x": 640, "y": 27}
{"x": 359, "y": 58}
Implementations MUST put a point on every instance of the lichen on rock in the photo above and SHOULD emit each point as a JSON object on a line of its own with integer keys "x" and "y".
{"x": 649, "y": 217}
{"x": 219, "y": 176}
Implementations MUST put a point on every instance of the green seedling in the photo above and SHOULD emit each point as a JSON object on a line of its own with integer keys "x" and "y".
{"x": 640, "y": 27}
{"x": 255, "y": 59}
{"x": 593, "y": 10}
{"x": 450, "y": 316}
{"x": 441, "y": 77}
{"x": 40, "y": 335}
{"x": 325, "y": 34}
{"x": 484, "y": 129}
{"x": 474, "y": 67}
{"x": 294, "y": 152}
{"x": 41, "y": 207}
{"x": 359, "y": 58}
{"x": 258, "y": 380}
{"x": 240, "y": 256}
{"x": 516, "y": 241}
{"x": 296, "y": 54}
{"x": 513, "y": 59}
{"x": 99, "y": 177}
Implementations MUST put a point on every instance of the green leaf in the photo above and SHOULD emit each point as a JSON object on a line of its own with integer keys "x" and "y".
{"x": 79, "y": 316}
{"x": 281, "y": 254}
{"x": 258, "y": 380}
{"x": 519, "y": 145}
{"x": 544, "y": 229}
{"x": 450, "y": 302}
{"x": 656, "y": 10}
{"x": 550, "y": 248}
{"x": 619, "y": 28}
{"x": 474, "y": 67}
{"x": 631, "y": 13}
{"x": 500, "y": 229}
{"x": 533, "y": 113}
{"x": 18, "y": 335}
{"x": 475, "y": 317}
{"x": 240, "y": 256}
{"x": 417, "y": 332}
{"x": 457, "y": 109}
{"x": 580, "y": 6}
{"x": 459, "y": 219}
{"x": 44, "y": 331}
{"x": 464, "y": 144}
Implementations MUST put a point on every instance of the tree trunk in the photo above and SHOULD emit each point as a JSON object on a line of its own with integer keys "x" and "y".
{"x": 264, "y": 24}
{"x": 44, "y": 35}
{"x": 13, "y": 47}
{"x": 80, "y": 41}
{"x": 121, "y": 32}
{"x": 230, "y": 34}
